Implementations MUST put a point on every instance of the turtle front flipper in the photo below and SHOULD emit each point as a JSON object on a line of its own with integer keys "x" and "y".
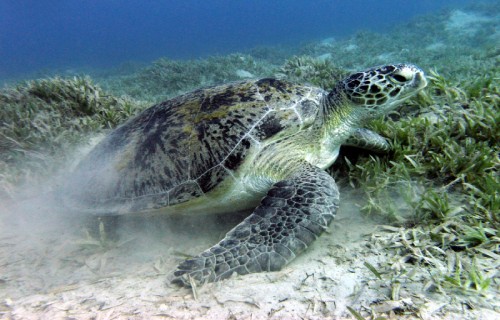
{"x": 293, "y": 214}
{"x": 368, "y": 140}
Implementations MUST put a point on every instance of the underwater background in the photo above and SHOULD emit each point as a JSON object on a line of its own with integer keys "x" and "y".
{"x": 38, "y": 35}
{"x": 417, "y": 232}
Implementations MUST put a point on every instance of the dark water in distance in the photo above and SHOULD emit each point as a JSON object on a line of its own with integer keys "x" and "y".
{"x": 38, "y": 34}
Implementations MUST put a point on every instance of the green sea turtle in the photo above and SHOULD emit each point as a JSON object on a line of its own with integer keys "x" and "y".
{"x": 260, "y": 144}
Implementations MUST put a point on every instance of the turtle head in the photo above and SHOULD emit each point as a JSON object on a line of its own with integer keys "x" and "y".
{"x": 379, "y": 90}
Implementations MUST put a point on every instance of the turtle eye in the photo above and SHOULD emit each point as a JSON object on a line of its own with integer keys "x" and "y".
{"x": 399, "y": 78}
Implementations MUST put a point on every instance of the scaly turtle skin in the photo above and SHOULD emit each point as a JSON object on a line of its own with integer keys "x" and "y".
{"x": 259, "y": 144}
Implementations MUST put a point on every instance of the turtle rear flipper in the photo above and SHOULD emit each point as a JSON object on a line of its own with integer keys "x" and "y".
{"x": 103, "y": 228}
{"x": 291, "y": 216}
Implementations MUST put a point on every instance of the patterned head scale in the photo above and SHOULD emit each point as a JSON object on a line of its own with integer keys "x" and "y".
{"x": 380, "y": 89}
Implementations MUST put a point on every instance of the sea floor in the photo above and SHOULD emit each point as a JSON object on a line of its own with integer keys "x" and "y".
{"x": 52, "y": 269}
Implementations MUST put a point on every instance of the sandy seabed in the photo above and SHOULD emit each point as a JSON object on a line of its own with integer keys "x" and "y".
{"x": 51, "y": 269}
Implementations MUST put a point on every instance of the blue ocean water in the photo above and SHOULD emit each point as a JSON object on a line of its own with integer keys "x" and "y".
{"x": 58, "y": 34}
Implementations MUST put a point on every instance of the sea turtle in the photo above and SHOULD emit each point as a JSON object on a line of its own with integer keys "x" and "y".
{"x": 256, "y": 144}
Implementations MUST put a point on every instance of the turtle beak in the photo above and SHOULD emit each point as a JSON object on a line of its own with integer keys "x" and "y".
{"x": 419, "y": 81}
